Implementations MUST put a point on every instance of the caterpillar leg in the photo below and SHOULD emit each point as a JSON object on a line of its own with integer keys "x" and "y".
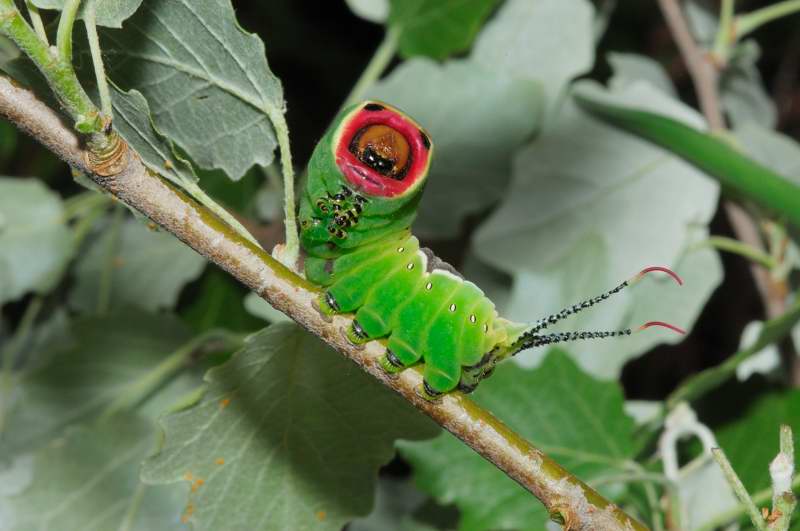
{"x": 327, "y": 305}
{"x": 390, "y": 363}
{"x": 439, "y": 378}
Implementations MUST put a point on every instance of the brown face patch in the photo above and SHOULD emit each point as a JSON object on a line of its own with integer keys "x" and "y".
{"x": 383, "y": 149}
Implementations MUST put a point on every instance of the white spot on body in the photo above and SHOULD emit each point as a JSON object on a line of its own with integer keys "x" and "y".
{"x": 473, "y": 319}
{"x": 453, "y": 307}
{"x": 410, "y": 266}
{"x": 428, "y": 286}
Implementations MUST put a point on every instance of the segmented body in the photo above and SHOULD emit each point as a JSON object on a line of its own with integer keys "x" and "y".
{"x": 427, "y": 311}
{"x": 365, "y": 180}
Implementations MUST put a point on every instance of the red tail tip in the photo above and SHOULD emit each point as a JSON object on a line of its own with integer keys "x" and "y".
{"x": 666, "y": 270}
{"x": 663, "y": 325}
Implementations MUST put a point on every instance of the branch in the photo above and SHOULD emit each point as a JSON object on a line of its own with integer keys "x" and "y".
{"x": 566, "y": 498}
{"x": 703, "y": 72}
{"x": 705, "y": 77}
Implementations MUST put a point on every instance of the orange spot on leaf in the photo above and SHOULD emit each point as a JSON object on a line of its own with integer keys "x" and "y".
{"x": 197, "y": 484}
{"x": 321, "y": 515}
{"x": 220, "y": 461}
{"x": 187, "y": 513}
{"x": 225, "y": 402}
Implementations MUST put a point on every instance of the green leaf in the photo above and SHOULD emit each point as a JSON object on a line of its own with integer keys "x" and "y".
{"x": 192, "y": 60}
{"x": 437, "y": 28}
{"x": 373, "y": 10}
{"x": 93, "y": 365}
{"x": 110, "y": 13}
{"x": 395, "y": 503}
{"x": 757, "y": 420}
{"x": 742, "y": 91}
{"x": 148, "y": 269}
{"x": 549, "y": 41}
{"x": 218, "y": 304}
{"x": 133, "y": 121}
{"x": 8, "y": 140}
{"x": 88, "y": 480}
{"x": 574, "y": 226}
{"x": 630, "y": 68}
{"x": 263, "y": 310}
{"x": 477, "y": 119}
{"x": 35, "y": 243}
{"x": 575, "y": 419}
{"x": 739, "y": 174}
{"x": 288, "y": 436}
{"x": 771, "y": 148}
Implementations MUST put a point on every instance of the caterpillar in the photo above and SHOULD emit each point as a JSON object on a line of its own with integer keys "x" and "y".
{"x": 365, "y": 180}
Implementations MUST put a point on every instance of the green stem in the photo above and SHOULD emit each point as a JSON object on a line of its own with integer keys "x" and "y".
{"x": 738, "y": 488}
{"x": 90, "y": 21}
{"x": 734, "y": 246}
{"x": 36, "y": 19}
{"x": 291, "y": 250}
{"x": 65, "y": 27}
{"x": 749, "y": 22}
{"x": 143, "y": 387}
{"x": 58, "y": 72}
{"x": 107, "y": 274}
{"x": 10, "y": 353}
{"x": 377, "y": 65}
{"x": 725, "y": 32}
{"x": 760, "y": 498}
{"x": 699, "y": 384}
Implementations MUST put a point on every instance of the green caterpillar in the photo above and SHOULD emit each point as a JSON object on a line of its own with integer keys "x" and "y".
{"x": 365, "y": 180}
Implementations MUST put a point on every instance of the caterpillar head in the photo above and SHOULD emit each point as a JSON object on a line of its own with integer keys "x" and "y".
{"x": 367, "y": 172}
{"x": 381, "y": 153}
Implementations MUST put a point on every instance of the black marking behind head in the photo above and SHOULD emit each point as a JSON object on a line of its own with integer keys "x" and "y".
{"x": 373, "y": 107}
{"x": 425, "y": 140}
{"x": 434, "y": 262}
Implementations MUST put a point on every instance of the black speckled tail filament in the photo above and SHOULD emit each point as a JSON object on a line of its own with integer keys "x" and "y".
{"x": 532, "y": 338}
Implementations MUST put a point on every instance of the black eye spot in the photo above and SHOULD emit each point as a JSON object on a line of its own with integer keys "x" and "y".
{"x": 373, "y": 107}
{"x": 425, "y": 140}
{"x": 375, "y": 161}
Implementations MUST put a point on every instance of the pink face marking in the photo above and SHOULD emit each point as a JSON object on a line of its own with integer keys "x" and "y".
{"x": 381, "y": 152}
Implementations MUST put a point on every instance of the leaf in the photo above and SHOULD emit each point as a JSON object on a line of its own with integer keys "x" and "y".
{"x": 88, "y": 480}
{"x": 8, "y": 140}
{"x": 260, "y": 308}
{"x": 575, "y": 226}
{"x": 742, "y": 91}
{"x": 110, "y": 13}
{"x": 148, "y": 269}
{"x": 288, "y": 436}
{"x": 373, "y": 10}
{"x": 739, "y": 174}
{"x": 477, "y": 119}
{"x": 133, "y": 121}
{"x": 437, "y": 28}
{"x": 583, "y": 273}
{"x": 548, "y": 41}
{"x": 395, "y": 503}
{"x": 218, "y": 304}
{"x": 35, "y": 243}
{"x": 630, "y": 68}
{"x": 757, "y": 420}
{"x": 575, "y": 419}
{"x": 771, "y": 148}
{"x": 90, "y": 367}
{"x": 207, "y": 81}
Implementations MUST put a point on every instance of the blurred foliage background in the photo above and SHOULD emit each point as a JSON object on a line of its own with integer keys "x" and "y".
{"x": 536, "y": 202}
